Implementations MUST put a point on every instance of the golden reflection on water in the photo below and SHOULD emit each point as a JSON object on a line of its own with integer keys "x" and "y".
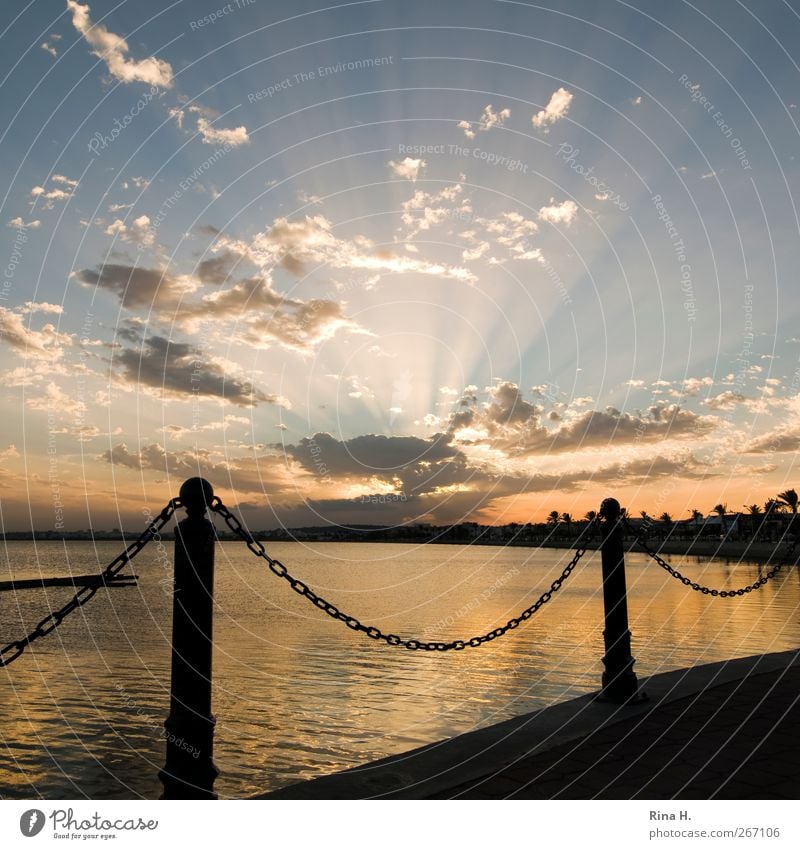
{"x": 297, "y": 694}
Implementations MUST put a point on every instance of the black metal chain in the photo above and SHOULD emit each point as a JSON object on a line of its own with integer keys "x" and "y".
{"x": 371, "y": 631}
{"x": 10, "y": 652}
{"x": 784, "y": 561}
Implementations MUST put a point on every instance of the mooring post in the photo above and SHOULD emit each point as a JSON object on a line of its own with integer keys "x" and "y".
{"x": 189, "y": 770}
{"x": 619, "y": 680}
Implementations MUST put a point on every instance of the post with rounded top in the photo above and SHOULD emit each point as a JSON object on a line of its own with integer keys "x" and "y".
{"x": 189, "y": 770}
{"x": 619, "y": 681}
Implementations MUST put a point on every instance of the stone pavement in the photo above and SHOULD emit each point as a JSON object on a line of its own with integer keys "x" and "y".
{"x": 736, "y": 741}
{"x": 727, "y": 730}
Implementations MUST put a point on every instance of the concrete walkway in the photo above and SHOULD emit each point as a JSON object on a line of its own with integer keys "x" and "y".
{"x": 724, "y": 730}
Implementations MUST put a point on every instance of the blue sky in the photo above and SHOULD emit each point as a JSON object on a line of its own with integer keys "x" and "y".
{"x": 397, "y": 262}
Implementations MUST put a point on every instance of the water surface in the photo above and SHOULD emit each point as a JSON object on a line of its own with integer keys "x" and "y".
{"x": 297, "y": 694}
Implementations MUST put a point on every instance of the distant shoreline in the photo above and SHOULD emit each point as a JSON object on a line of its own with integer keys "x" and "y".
{"x": 731, "y": 550}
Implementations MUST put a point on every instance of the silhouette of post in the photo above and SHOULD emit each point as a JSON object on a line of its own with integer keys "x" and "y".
{"x": 619, "y": 680}
{"x": 189, "y": 770}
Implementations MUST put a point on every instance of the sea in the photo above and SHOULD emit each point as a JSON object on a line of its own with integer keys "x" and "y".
{"x": 297, "y": 694}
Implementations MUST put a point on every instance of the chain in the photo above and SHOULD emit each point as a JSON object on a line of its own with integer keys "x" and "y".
{"x": 707, "y": 590}
{"x": 10, "y": 652}
{"x": 371, "y": 631}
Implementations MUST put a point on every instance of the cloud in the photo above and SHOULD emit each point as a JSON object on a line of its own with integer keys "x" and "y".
{"x": 18, "y": 224}
{"x": 509, "y": 423}
{"x": 216, "y": 269}
{"x": 557, "y": 108}
{"x": 488, "y": 119}
{"x": 64, "y": 181}
{"x": 46, "y": 343}
{"x": 559, "y": 213}
{"x": 232, "y": 137}
{"x": 262, "y": 475}
{"x": 181, "y": 370}
{"x": 425, "y": 210}
{"x": 48, "y": 48}
{"x": 293, "y": 245}
{"x": 42, "y": 306}
{"x": 408, "y": 168}
{"x": 137, "y": 231}
{"x": 263, "y": 316}
{"x": 512, "y": 231}
{"x": 467, "y": 128}
{"x": 47, "y": 198}
{"x": 727, "y": 400}
{"x": 56, "y": 400}
{"x": 138, "y": 286}
{"x": 112, "y": 49}
{"x": 779, "y": 440}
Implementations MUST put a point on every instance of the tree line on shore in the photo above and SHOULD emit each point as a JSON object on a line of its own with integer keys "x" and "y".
{"x": 753, "y": 522}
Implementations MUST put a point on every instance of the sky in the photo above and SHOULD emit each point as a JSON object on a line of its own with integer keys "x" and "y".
{"x": 397, "y": 262}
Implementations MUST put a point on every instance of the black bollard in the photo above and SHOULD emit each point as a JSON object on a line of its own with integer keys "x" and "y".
{"x": 619, "y": 680}
{"x": 189, "y": 770}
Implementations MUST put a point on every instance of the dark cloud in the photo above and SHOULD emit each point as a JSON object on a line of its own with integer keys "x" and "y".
{"x": 137, "y": 287}
{"x": 183, "y": 370}
{"x": 264, "y": 475}
{"x": 370, "y": 454}
{"x": 217, "y": 269}
{"x": 595, "y": 429}
{"x": 514, "y": 425}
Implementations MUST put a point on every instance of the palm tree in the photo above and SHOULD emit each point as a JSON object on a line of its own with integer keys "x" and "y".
{"x": 754, "y": 512}
{"x": 770, "y": 506}
{"x": 553, "y": 517}
{"x": 721, "y": 510}
{"x": 789, "y": 499}
{"x": 697, "y": 518}
{"x": 667, "y": 521}
{"x": 591, "y": 515}
{"x": 566, "y": 518}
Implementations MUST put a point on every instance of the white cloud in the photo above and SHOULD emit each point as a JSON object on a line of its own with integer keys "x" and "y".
{"x": 467, "y": 128}
{"x": 31, "y": 307}
{"x": 46, "y": 343}
{"x": 211, "y": 135}
{"x": 137, "y": 231}
{"x": 48, "y": 48}
{"x": 408, "y": 168}
{"x": 559, "y": 213}
{"x": 18, "y": 224}
{"x": 64, "y": 181}
{"x": 488, "y": 119}
{"x": 112, "y": 49}
{"x": 557, "y": 108}
{"x": 293, "y": 245}
{"x": 47, "y": 197}
{"x": 55, "y": 399}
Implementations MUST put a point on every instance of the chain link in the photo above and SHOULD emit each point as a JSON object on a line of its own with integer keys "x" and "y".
{"x": 370, "y": 630}
{"x": 10, "y": 652}
{"x": 707, "y": 590}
